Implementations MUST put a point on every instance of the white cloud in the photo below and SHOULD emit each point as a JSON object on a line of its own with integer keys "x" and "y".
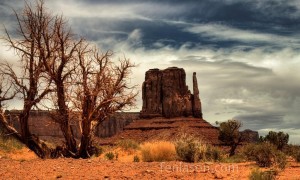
{"x": 135, "y": 36}
{"x": 232, "y": 101}
{"x": 6, "y": 53}
{"x": 75, "y": 9}
{"x": 224, "y": 32}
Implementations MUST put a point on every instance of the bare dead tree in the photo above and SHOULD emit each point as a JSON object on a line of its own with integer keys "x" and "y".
{"x": 31, "y": 82}
{"x": 58, "y": 56}
{"x": 52, "y": 58}
{"x": 47, "y": 48}
{"x": 102, "y": 89}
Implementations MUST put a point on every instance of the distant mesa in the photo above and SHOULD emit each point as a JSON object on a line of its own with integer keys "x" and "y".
{"x": 165, "y": 94}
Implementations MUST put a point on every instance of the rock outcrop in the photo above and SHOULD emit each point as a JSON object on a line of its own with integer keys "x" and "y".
{"x": 165, "y": 94}
{"x": 160, "y": 128}
{"x": 115, "y": 124}
{"x": 197, "y": 111}
{"x": 42, "y": 125}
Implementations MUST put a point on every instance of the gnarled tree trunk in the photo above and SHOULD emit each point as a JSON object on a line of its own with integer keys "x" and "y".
{"x": 86, "y": 138}
{"x": 64, "y": 119}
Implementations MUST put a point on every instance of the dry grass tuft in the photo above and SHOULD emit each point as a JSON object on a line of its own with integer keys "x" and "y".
{"x": 158, "y": 151}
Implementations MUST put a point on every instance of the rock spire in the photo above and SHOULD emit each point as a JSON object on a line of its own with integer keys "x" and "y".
{"x": 166, "y": 94}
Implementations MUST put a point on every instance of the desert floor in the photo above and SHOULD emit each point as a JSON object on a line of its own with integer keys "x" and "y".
{"x": 23, "y": 164}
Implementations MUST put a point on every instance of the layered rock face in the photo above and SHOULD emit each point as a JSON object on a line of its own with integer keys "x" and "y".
{"x": 42, "y": 125}
{"x": 166, "y": 94}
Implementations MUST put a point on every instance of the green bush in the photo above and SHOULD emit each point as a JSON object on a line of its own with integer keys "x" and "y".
{"x": 128, "y": 144}
{"x": 230, "y": 134}
{"x": 279, "y": 139}
{"x": 265, "y": 154}
{"x": 256, "y": 174}
{"x": 110, "y": 155}
{"x": 190, "y": 149}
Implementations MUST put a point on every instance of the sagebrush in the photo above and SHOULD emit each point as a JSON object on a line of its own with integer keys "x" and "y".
{"x": 192, "y": 149}
{"x": 265, "y": 154}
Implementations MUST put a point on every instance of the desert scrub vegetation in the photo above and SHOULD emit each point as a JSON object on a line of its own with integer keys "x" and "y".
{"x": 265, "y": 154}
{"x": 293, "y": 151}
{"x": 136, "y": 158}
{"x": 192, "y": 149}
{"x": 8, "y": 143}
{"x": 110, "y": 155}
{"x": 278, "y": 139}
{"x": 128, "y": 144}
{"x": 230, "y": 134}
{"x": 257, "y": 174}
{"x": 237, "y": 158}
{"x": 189, "y": 148}
{"x": 213, "y": 153}
{"x": 158, "y": 151}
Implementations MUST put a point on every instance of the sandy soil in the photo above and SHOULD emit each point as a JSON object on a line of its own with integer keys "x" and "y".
{"x": 24, "y": 165}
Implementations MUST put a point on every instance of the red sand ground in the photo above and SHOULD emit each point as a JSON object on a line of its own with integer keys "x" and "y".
{"x": 24, "y": 165}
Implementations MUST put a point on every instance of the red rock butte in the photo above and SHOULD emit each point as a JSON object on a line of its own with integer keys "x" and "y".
{"x": 165, "y": 94}
{"x": 169, "y": 110}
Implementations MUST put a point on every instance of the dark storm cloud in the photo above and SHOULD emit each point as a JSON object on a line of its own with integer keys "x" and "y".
{"x": 263, "y": 119}
{"x": 243, "y": 13}
{"x": 265, "y": 122}
{"x": 152, "y": 17}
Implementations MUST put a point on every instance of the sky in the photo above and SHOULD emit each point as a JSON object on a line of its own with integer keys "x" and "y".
{"x": 246, "y": 53}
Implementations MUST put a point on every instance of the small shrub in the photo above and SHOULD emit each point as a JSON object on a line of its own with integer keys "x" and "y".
{"x": 190, "y": 149}
{"x": 213, "y": 154}
{"x": 280, "y": 160}
{"x": 110, "y": 155}
{"x": 256, "y": 174}
{"x": 128, "y": 144}
{"x": 265, "y": 155}
{"x": 136, "y": 159}
{"x": 294, "y": 151}
{"x": 158, "y": 151}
